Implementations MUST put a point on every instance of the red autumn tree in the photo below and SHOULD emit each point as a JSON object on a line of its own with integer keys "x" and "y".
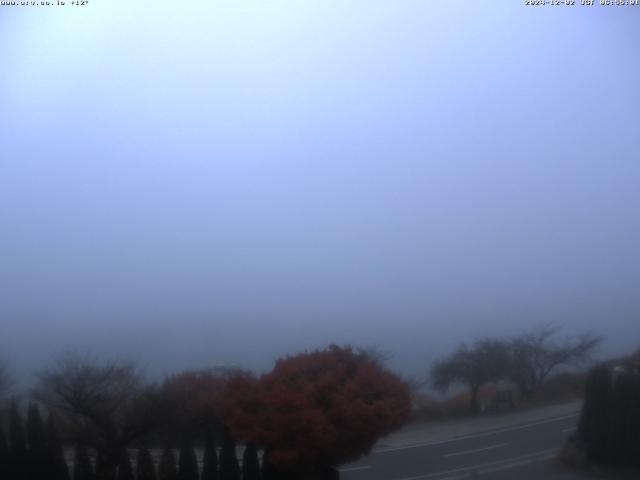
{"x": 317, "y": 410}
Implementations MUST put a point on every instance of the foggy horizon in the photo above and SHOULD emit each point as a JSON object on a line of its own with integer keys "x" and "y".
{"x": 231, "y": 183}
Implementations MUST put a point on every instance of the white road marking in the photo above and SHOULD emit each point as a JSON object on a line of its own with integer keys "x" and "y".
{"x": 475, "y": 435}
{"x": 355, "y": 469}
{"x": 475, "y": 450}
{"x": 506, "y": 466}
{"x": 542, "y": 455}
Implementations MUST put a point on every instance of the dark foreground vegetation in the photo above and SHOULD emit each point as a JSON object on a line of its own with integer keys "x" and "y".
{"x": 313, "y": 412}
{"x": 608, "y": 434}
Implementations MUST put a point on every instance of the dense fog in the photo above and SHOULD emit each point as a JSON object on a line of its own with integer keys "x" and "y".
{"x": 217, "y": 183}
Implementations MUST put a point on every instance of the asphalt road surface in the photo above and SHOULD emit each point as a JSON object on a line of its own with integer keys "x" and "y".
{"x": 522, "y": 452}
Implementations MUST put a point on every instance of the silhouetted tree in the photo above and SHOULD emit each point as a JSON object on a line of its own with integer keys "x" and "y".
{"x": 229, "y": 469}
{"x": 487, "y": 360}
{"x": 125, "y": 472}
{"x": 210, "y": 459}
{"x": 537, "y": 354}
{"x": 39, "y": 461}
{"x": 4, "y": 455}
{"x": 187, "y": 463}
{"x": 250, "y": 463}
{"x": 105, "y": 469}
{"x": 55, "y": 452}
{"x": 317, "y": 410}
{"x": 82, "y": 468}
{"x": 144, "y": 468}
{"x": 104, "y": 405}
{"x": 17, "y": 442}
{"x": 167, "y": 468}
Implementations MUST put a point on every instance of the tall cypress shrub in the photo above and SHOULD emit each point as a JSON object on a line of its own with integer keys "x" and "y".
{"x": 595, "y": 419}
{"x": 59, "y": 469}
{"x": 82, "y": 468}
{"x": 609, "y": 426}
{"x": 167, "y": 468}
{"x": 229, "y": 469}
{"x": 18, "y": 462}
{"x": 39, "y": 464}
{"x": 210, "y": 458}
{"x": 4, "y": 455}
{"x": 125, "y": 471}
{"x": 145, "y": 469}
{"x": 188, "y": 463}
{"x": 250, "y": 463}
{"x": 623, "y": 436}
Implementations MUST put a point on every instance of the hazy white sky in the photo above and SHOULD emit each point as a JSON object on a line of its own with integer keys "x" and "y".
{"x": 198, "y": 182}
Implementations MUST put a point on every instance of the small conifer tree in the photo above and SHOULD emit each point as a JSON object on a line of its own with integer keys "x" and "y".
{"x": 145, "y": 469}
{"x": 167, "y": 468}
{"x": 229, "y": 469}
{"x": 125, "y": 472}
{"x": 17, "y": 445}
{"x": 250, "y": 463}
{"x": 39, "y": 466}
{"x": 188, "y": 463}
{"x": 82, "y": 468}
{"x": 210, "y": 459}
{"x": 4, "y": 456}
{"x": 58, "y": 469}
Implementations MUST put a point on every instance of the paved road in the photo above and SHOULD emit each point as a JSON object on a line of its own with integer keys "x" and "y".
{"x": 522, "y": 451}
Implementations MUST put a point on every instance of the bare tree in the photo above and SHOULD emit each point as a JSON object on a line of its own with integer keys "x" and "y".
{"x": 485, "y": 361}
{"x": 536, "y": 354}
{"x": 103, "y": 404}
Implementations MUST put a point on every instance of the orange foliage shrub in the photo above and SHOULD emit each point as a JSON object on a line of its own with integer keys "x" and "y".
{"x": 317, "y": 409}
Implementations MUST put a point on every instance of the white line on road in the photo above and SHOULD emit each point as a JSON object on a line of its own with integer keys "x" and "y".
{"x": 476, "y": 435}
{"x": 542, "y": 455}
{"x": 475, "y": 450}
{"x": 355, "y": 469}
{"x": 506, "y": 466}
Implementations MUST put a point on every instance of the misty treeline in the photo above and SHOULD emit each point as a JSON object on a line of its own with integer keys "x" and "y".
{"x": 312, "y": 412}
{"x": 526, "y": 361}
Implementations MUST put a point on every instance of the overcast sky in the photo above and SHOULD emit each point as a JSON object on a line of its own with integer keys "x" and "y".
{"x": 192, "y": 183}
